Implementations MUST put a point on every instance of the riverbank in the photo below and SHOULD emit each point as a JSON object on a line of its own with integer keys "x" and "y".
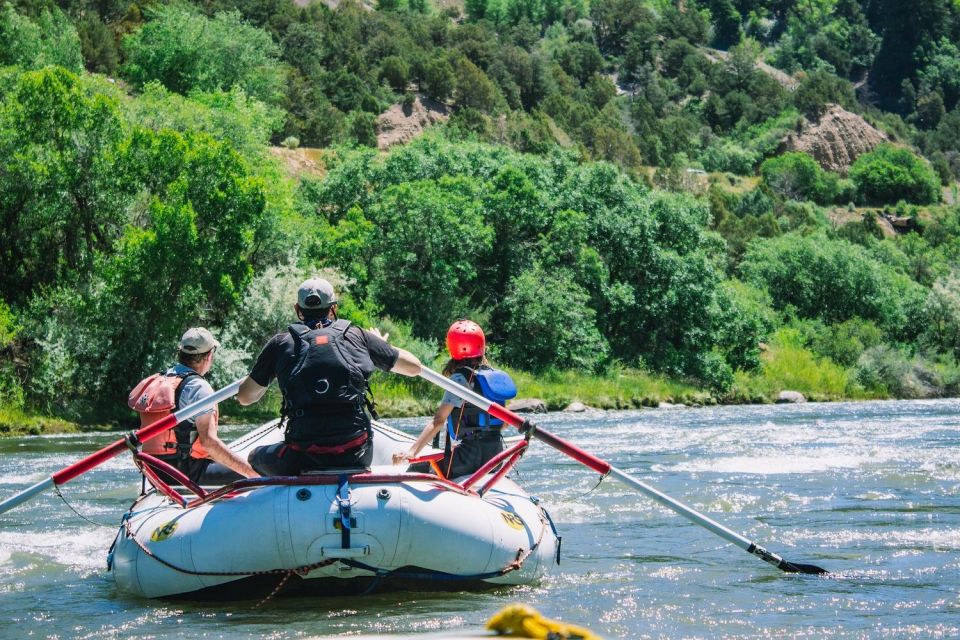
{"x": 405, "y": 398}
{"x": 785, "y": 365}
{"x": 14, "y": 422}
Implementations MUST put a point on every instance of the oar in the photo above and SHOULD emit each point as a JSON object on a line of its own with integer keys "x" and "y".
{"x": 603, "y": 467}
{"x": 146, "y": 433}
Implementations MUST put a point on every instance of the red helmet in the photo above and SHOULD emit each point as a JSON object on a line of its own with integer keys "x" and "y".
{"x": 465, "y": 340}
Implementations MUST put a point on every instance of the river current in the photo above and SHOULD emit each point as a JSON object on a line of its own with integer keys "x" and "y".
{"x": 870, "y": 491}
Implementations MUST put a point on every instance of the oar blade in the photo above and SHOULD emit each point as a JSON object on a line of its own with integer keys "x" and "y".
{"x": 799, "y": 567}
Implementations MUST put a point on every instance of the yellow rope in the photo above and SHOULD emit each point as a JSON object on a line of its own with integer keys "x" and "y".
{"x": 522, "y": 621}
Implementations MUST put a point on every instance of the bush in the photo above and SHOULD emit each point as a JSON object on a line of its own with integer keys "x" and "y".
{"x": 845, "y": 342}
{"x": 797, "y": 176}
{"x": 889, "y": 174}
{"x": 942, "y": 313}
{"x": 729, "y": 157}
{"x": 362, "y": 128}
{"x": 888, "y": 370}
{"x": 438, "y": 79}
{"x": 820, "y": 88}
{"x": 395, "y": 71}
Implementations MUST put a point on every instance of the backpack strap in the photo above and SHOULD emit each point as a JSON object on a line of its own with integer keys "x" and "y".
{"x": 185, "y": 433}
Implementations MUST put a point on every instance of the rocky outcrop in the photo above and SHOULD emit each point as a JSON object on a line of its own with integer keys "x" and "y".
{"x": 528, "y": 405}
{"x": 835, "y": 140}
{"x": 576, "y": 407}
{"x": 400, "y": 124}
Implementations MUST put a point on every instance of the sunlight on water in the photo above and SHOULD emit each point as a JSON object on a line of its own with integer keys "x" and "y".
{"x": 869, "y": 490}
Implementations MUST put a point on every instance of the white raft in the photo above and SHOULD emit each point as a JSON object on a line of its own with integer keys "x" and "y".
{"x": 405, "y": 530}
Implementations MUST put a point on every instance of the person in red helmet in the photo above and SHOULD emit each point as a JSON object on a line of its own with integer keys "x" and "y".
{"x": 477, "y": 436}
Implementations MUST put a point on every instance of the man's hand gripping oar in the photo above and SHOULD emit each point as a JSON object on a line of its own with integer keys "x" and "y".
{"x": 605, "y": 468}
{"x": 133, "y": 440}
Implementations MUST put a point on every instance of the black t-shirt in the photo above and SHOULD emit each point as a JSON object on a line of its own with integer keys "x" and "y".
{"x": 382, "y": 354}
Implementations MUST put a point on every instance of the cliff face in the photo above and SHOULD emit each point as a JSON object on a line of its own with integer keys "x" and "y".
{"x": 399, "y": 125}
{"x": 836, "y": 140}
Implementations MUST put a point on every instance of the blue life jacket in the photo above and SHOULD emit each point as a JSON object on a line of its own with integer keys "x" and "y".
{"x": 469, "y": 421}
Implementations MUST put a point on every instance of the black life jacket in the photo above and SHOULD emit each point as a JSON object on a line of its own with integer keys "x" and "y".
{"x": 468, "y": 421}
{"x": 327, "y": 375}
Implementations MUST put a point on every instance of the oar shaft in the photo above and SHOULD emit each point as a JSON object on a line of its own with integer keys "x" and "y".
{"x": 502, "y": 413}
{"x": 23, "y": 496}
{"x": 695, "y": 516}
{"x": 601, "y": 466}
{"x": 146, "y": 433}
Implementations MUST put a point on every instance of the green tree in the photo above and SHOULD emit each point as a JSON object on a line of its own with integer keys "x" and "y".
{"x": 820, "y": 88}
{"x": 185, "y": 261}
{"x": 614, "y": 20}
{"x": 942, "y": 314}
{"x": 97, "y": 43}
{"x": 33, "y": 44}
{"x": 546, "y": 322}
{"x": 62, "y": 197}
{"x": 439, "y": 79}
{"x": 832, "y": 280}
{"x": 473, "y": 89}
{"x": 430, "y": 236}
{"x": 395, "y": 71}
{"x": 362, "y": 128}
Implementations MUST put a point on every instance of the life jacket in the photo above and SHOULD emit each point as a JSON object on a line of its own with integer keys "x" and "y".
{"x": 469, "y": 421}
{"x": 155, "y": 398}
{"x": 324, "y": 382}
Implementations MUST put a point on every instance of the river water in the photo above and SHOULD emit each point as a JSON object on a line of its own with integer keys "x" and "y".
{"x": 870, "y": 491}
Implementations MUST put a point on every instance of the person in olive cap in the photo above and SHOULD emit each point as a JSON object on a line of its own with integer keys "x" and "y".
{"x": 193, "y": 445}
{"x": 322, "y": 365}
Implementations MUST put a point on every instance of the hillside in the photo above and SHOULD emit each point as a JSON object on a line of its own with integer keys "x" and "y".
{"x": 729, "y": 198}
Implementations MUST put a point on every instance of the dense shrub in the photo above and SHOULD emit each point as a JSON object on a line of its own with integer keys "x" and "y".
{"x": 187, "y": 51}
{"x": 942, "y": 314}
{"x": 830, "y": 279}
{"x": 797, "y": 176}
{"x": 889, "y": 174}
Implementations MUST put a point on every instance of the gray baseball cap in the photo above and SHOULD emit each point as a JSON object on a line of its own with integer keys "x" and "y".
{"x": 198, "y": 340}
{"x": 316, "y": 293}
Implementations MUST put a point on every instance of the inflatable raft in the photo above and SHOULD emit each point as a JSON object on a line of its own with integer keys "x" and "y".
{"x": 341, "y": 532}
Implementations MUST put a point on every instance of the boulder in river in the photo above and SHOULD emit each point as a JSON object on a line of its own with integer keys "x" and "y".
{"x": 528, "y": 405}
{"x": 790, "y": 397}
{"x": 576, "y": 407}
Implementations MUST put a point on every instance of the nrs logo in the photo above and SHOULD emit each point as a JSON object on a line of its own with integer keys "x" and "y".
{"x": 162, "y": 533}
{"x": 513, "y": 520}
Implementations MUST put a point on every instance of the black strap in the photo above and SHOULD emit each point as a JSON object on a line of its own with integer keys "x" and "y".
{"x": 343, "y": 502}
{"x": 370, "y": 402}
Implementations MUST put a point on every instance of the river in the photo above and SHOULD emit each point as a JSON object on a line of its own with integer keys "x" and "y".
{"x": 870, "y": 491}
